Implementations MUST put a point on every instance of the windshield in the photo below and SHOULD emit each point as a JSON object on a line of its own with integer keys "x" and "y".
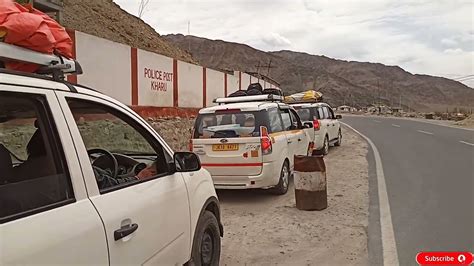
{"x": 232, "y": 124}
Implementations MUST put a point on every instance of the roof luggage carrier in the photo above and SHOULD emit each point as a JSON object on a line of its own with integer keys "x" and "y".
{"x": 55, "y": 66}
{"x": 253, "y": 98}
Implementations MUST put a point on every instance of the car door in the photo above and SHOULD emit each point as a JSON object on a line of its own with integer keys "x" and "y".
{"x": 302, "y": 140}
{"x": 327, "y": 123}
{"x": 291, "y": 137}
{"x": 46, "y": 217}
{"x": 332, "y": 121}
{"x": 146, "y": 216}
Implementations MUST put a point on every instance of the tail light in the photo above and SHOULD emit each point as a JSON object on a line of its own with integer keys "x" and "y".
{"x": 316, "y": 124}
{"x": 265, "y": 141}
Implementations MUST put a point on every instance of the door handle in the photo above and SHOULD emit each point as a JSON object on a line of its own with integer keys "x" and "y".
{"x": 289, "y": 141}
{"x": 125, "y": 231}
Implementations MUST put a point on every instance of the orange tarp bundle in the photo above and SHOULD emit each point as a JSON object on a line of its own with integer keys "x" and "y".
{"x": 30, "y": 28}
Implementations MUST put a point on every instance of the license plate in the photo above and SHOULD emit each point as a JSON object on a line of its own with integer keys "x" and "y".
{"x": 225, "y": 147}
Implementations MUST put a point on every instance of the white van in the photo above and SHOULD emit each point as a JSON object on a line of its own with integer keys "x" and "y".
{"x": 250, "y": 142}
{"x": 326, "y": 125}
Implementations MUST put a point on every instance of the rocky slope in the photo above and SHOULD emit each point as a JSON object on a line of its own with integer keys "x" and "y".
{"x": 354, "y": 83}
{"x": 105, "y": 19}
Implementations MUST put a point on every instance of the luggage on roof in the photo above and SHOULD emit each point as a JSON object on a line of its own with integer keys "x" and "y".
{"x": 309, "y": 96}
{"x": 24, "y": 26}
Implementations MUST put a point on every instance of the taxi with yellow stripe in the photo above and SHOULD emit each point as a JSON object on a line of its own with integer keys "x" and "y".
{"x": 250, "y": 142}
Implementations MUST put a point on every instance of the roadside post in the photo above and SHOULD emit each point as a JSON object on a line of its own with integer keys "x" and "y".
{"x": 310, "y": 183}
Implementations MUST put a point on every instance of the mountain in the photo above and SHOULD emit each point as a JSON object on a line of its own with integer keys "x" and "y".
{"x": 341, "y": 82}
{"x": 105, "y": 19}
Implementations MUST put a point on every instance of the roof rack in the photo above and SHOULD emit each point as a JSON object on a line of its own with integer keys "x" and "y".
{"x": 55, "y": 65}
{"x": 252, "y": 98}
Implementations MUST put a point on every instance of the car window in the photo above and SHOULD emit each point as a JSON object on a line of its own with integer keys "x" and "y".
{"x": 33, "y": 172}
{"x": 275, "y": 120}
{"x": 285, "y": 116}
{"x": 331, "y": 113}
{"x": 230, "y": 124}
{"x": 110, "y": 135}
{"x": 296, "y": 121}
{"x": 304, "y": 113}
{"x": 320, "y": 112}
{"x": 315, "y": 113}
{"x": 326, "y": 113}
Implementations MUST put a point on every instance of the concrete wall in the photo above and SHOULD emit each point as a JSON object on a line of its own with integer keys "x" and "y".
{"x": 190, "y": 85}
{"x": 106, "y": 66}
{"x": 215, "y": 85}
{"x": 155, "y": 79}
{"x": 144, "y": 79}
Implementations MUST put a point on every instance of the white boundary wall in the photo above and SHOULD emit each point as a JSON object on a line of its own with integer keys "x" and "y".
{"x": 138, "y": 77}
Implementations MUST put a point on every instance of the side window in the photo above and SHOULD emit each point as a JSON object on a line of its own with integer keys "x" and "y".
{"x": 275, "y": 120}
{"x": 122, "y": 153}
{"x": 316, "y": 113}
{"x": 295, "y": 120}
{"x": 326, "y": 113}
{"x": 331, "y": 113}
{"x": 33, "y": 172}
{"x": 285, "y": 116}
{"x": 320, "y": 112}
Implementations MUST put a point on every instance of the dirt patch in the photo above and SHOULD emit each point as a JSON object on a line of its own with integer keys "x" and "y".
{"x": 263, "y": 229}
{"x": 468, "y": 122}
{"x": 105, "y": 19}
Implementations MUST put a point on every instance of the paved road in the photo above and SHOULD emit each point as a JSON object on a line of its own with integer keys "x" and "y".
{"x": 429, "y": 172}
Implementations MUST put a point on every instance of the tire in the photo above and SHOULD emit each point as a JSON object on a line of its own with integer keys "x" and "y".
{"x": 207, "y": 241}
{"x": 339, "y": 139}
{"x": 326, "y": 146}
{"x": 284, "y": 182}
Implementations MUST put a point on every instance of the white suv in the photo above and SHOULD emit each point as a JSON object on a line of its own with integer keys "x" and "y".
{"x": 326, "y": 125}
{"x": 84, "y": 180}
{"x": 250, "y": 142}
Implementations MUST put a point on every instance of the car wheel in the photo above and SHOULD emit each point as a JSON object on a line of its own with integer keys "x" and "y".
{"x": 282, "y": 187}
{"x": 326, "y": 146}
{"x": 207, "y": 242}
{"x": 339, "y": 139}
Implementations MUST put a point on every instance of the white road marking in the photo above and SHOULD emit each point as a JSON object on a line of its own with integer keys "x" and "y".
{"x": 425, "y": 132}
{"x": 389, "y": 247}
{"x": 394, "y": 125}
{"x": 377, "y": 121}
{"x": 465, "y": 142}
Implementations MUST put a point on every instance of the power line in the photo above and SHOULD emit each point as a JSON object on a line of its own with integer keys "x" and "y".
{"x": 467, "y": 76}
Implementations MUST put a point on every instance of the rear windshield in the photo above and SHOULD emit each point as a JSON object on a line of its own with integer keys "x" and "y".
{"x": 231, "y": 124}
{"x": 308, "y": 113}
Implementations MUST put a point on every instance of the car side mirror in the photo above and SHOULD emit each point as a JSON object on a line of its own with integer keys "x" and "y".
{"x": 186, "y": 162}
{"x": 308, "y": 125}
{"x": 338, "y": 116}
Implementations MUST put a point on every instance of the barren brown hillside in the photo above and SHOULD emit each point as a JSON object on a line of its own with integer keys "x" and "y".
{"x": 104, "y": 18}
{"x": 355, "y": 83}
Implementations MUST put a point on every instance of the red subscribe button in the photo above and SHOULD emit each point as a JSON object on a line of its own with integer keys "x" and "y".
{"x": 444, "y": 258}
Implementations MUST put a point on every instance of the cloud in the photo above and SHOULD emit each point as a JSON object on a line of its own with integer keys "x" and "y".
{"x": 276, "y": 41}
{"x": 448, "y": 42}
{"x": 426, "y": 37}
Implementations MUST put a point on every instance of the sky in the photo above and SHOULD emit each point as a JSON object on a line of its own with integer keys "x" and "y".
{"x": 424, "y": 37}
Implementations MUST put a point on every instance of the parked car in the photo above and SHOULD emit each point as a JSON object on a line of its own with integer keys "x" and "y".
{"x": 84, "y": 180}
{"x": 327, "y": 128}
{"x": 250, "y": 142}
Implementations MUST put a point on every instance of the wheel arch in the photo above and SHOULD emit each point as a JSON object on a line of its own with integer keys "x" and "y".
{"x": 212, "y": 205}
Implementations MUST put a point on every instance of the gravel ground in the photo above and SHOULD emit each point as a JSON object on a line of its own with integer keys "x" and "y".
{"x": 263, "y": 229}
